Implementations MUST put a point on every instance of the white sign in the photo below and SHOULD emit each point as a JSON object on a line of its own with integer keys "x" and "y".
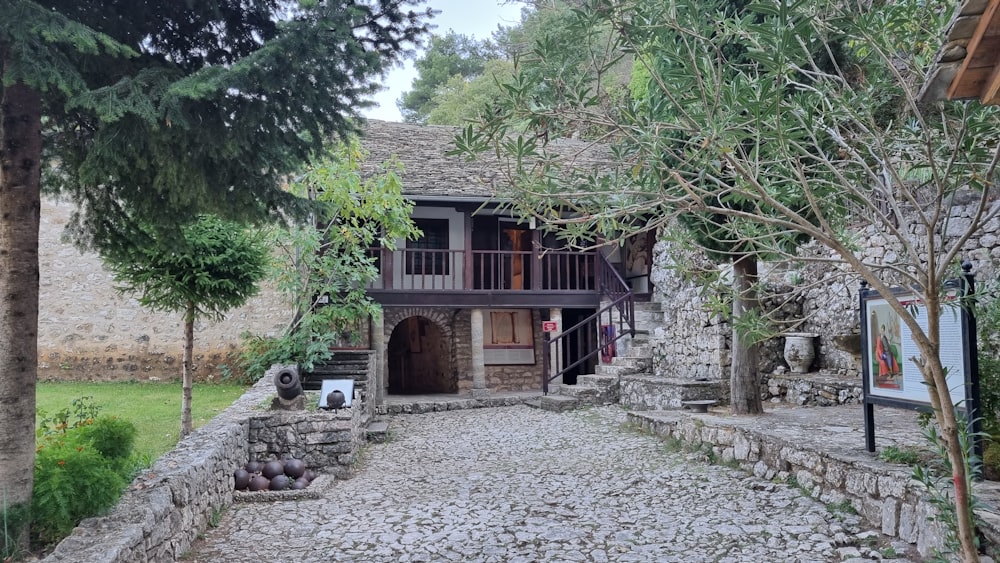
{"x": 891, "y": 371}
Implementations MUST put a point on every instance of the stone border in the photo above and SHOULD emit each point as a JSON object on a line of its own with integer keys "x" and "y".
{"x": 164, "y": 510}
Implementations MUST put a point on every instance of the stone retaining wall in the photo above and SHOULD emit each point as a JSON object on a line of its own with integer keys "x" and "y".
{"x": 814, "y": 390}
{"x": 165, "y": 509}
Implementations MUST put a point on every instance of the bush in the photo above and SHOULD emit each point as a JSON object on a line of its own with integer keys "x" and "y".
{"x": 991, "y": 461}
{"x": 72, "y": 482}
{"x": 111, "y": 436}
{"x": 82, "y": 465}
{"x": 988, "y": 324}
{"x": 13, "y": 520}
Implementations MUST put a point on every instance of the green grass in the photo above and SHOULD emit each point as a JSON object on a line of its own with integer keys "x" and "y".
{"x": 905, "y": 456}
{"x": 154, "y": 408}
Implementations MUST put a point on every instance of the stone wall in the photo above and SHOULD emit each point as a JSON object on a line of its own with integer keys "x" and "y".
{"x": 88, "y": 331}
{"x": 691, "y": 343}
{"x": 814, "y": 390}
{"x": 694, "y": 344}
{"x": 165, "y": 509}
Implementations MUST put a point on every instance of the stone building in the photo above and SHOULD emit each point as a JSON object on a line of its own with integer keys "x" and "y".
{"x": 463, "y": 306}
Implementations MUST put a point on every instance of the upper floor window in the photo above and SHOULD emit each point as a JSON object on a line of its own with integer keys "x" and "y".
{"x": 428, "y": 255}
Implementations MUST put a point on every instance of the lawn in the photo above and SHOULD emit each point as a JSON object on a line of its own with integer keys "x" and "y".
{"x": 154, "y": 408}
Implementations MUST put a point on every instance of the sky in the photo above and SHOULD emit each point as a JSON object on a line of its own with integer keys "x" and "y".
{"x": 478, "y": 18}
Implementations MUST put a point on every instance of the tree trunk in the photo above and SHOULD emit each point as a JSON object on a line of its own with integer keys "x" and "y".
{"x": 187, "y": 380}
{"x": 20, "y": 204}
{"x": 941, "y": 399}
{"x": 744, "y": 379}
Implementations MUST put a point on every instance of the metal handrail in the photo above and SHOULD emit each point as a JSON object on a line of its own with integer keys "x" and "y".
{"x": 621, "y": 298}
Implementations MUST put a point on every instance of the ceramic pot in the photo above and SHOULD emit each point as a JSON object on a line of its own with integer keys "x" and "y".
{"x": 800, "y": 351}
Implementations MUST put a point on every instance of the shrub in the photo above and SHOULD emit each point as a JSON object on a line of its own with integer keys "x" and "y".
{"x": 13, "y": 520}
{"x": 72, "y": 482}
{"x": 82, "y": 465}
{"x": 111, "y": 436}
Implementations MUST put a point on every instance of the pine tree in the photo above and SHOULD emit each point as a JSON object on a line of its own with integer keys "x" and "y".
{"x": 158, "y": 112}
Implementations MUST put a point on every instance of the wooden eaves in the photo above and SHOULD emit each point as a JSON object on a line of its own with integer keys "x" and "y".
{"x": 968, "y": 64}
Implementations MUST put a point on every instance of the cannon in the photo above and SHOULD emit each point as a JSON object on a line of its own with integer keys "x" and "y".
{"x": 288, "y": 383}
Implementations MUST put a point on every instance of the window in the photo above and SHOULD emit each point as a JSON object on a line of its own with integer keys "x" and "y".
{"x": 428, "y": 255}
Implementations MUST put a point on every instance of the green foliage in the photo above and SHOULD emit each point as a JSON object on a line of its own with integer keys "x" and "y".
{"x": 111, "y": 436}
{"x": 214, "y": 266}
{"x": 460, "y": 99}
{"x": 324, "y": 267}
{"x": 81, "y": 412}
{"x": 13, "y": 525}
{"x": 449, "y": 61}
{"x": 155, "y": 125}
{"x": 72, "y": 482}
{"x": 82, "y": 465}
{"x": 991, "y": 459}
{"x": 842, "y": 507}
{"x": 938, "y": 476}
{"x": 988, "y": 328}
{"x": 905, "y": 456}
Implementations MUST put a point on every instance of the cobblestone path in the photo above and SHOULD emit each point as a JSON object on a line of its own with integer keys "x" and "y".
{"x": 518, "y": 485}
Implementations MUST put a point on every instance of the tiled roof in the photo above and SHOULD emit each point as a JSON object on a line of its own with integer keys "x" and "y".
{"x": 429, "y": 172}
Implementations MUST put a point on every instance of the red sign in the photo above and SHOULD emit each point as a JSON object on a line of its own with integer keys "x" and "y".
{"x": 550, "y": 326}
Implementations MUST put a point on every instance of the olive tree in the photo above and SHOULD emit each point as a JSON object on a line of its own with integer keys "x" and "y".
{"x": 812, "y": 129}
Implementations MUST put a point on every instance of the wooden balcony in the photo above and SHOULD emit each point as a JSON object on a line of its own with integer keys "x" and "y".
{"x": 486, "y": 278}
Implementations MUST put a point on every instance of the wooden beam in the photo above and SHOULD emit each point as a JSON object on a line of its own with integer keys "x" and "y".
{"x": 977, "y": 61}
{"x": 991, "y": 90}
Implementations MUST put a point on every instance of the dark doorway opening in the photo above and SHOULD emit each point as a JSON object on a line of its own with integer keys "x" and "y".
{"x": 578, "y": 344}
{"x": 419, "y": 362}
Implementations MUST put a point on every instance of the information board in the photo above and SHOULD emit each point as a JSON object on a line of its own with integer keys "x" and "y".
{"x": 891, "y": 351}
{"x": 890, "y": 374}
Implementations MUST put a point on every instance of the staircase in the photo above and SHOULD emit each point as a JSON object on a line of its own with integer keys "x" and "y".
{"x": 634, "y": 356}
{"x": 343, "y": 364}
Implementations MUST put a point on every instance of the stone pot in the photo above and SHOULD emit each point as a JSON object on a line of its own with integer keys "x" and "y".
{"x": 800, "y": 351}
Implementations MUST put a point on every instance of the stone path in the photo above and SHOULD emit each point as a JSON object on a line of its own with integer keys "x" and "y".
{"x": 518, "y": 484}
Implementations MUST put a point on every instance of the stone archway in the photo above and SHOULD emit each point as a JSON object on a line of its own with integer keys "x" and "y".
{"x": 419, "y": 361}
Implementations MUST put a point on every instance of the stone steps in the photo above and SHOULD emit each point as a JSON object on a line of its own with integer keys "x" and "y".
{"x": 602, "y": 386}
{"x": 649, "y": 392}
{"x": 343, "y": 364}
{"x": 377, "y": 432}
{"x": 558, "y": 403}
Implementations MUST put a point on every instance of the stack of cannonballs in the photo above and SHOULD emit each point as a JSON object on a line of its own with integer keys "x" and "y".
{"x": 274, "y": 475}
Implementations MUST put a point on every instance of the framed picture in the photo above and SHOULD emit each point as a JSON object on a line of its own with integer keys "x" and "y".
{"x": 508, "y": 337}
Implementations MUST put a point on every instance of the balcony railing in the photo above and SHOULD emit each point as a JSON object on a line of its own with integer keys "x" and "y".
{"x": 489, "y": 270}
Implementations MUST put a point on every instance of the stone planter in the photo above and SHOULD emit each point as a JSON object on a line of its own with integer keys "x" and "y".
{"x": 800, "y": 351}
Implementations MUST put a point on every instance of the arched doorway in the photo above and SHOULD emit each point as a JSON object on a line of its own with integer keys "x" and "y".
{"x": 419, "y": 361}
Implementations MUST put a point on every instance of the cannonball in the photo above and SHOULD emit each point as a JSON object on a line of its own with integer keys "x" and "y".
{"x": 299, "y": 483}
{"x": 272, "y": 469}
{"x": 253, "y": 466}
{"x": 279, "y": 483}
{"x": 295, "y": 468}
{"x": 259, "y": 483}
{"x": 242, "y": 479}
{"x": 309, "y": 475}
